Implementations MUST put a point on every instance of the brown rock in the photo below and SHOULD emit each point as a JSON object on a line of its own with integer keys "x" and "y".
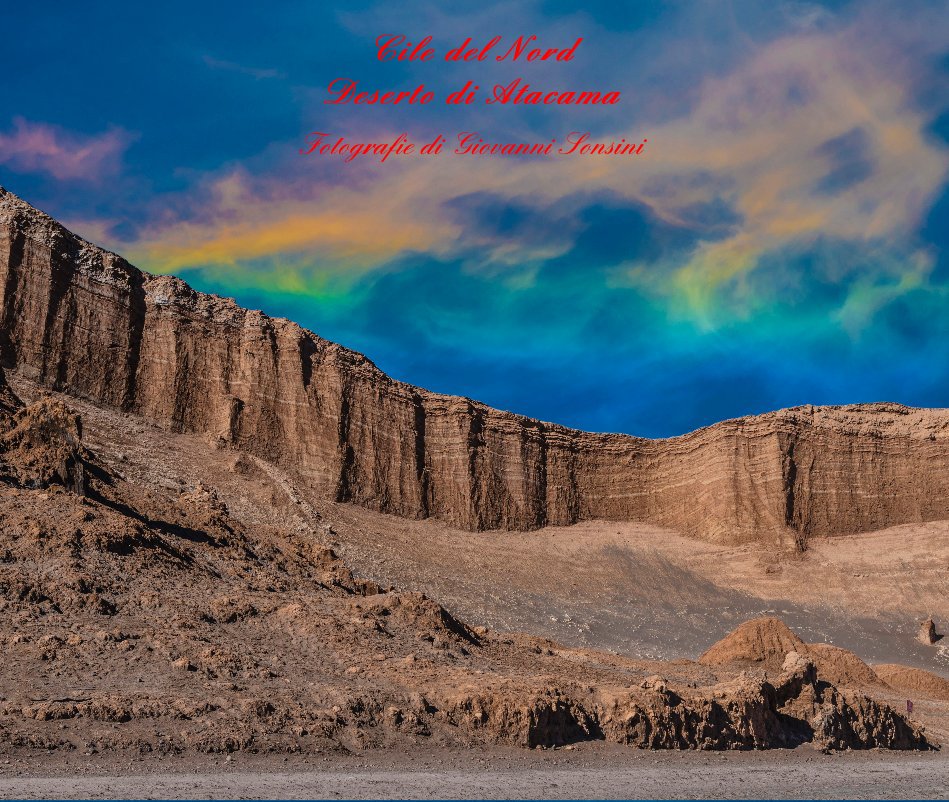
{"x": 841, "y": 667}
{"x": 41, "y": 443}
{"x": 542, "y": 718}
{"x": 415, "y": 611}
{"x": 83, "y": 321}
{"x": 761, "y": 640}
{"x": 769, "y": 643}
{"x": 9, "y": 403}
{"x": 927, "y": 632}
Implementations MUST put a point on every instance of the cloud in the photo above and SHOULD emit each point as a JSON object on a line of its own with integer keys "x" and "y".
{"x": 253, "y": 72}
{"x": 32, "y": 147}
{"x": 813, "y": 135}
{"x": 782, "y": 240}
{"x": 244, "y": 218}
{"x": 818, "y": 137}
{"x": 850, "y": 161}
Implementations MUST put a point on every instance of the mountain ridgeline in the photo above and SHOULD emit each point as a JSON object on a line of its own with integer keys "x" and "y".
{"x": 83, "y": 321}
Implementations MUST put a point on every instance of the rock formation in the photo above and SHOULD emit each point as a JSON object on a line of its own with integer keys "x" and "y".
{"x": 146, "y": 614}
{"x": 769, "y": 643}
{"x": 747, "y": 712}
{"x": 40, "y": 443}
{"x": 82, "y": 320}
{"x": 761, "y": 640}
{"x": 927, "y": 632}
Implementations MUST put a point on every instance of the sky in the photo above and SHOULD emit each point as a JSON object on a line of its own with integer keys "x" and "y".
{"x": 783, "y": 239}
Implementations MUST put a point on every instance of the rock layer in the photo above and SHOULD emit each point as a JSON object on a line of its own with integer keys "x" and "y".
{"x": 83, "y": 321}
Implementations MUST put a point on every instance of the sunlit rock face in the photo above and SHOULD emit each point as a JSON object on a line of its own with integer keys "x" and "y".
{"x": 83, "y": 321}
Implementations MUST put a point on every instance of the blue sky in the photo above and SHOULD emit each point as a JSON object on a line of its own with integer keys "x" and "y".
{"x": 782, "y": 240}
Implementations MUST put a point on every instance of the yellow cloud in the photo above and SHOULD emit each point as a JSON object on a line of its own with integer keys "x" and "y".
{"x": 244, "y": 224}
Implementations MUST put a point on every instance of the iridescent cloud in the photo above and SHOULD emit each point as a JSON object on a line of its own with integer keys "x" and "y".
{"x": 811, "y": 137}
{"x": 39, "y": 147}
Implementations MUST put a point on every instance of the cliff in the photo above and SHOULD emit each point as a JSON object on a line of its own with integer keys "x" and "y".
{"x": 83, "y": 321}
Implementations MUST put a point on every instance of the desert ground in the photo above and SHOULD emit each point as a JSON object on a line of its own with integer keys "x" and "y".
{"x": 599, "y": 771}
{"x": 182, "y": 654}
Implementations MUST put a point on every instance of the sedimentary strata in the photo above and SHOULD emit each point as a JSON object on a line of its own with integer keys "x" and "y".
{"x": 82, "y": 320}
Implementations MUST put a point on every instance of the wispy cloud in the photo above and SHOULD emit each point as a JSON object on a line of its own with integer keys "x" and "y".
{"x": 812, "y": 135}
{"x": 231, "y": 66}
{"x": 245, "y": 218}
{"x": 34, "y": 147}
{"x": 814, "y": 141}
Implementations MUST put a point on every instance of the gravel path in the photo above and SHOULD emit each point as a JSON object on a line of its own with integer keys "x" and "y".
{"x": 799, "y": 774}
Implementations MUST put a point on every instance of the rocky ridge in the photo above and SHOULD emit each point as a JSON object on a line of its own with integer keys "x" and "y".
{"x": 79, "y": 319}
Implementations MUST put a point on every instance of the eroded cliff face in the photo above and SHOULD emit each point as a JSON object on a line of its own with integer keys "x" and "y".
{"x": 83, "y": 321}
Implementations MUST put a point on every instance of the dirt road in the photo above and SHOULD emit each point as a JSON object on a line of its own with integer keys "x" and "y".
{"x": 591, "y": 771}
